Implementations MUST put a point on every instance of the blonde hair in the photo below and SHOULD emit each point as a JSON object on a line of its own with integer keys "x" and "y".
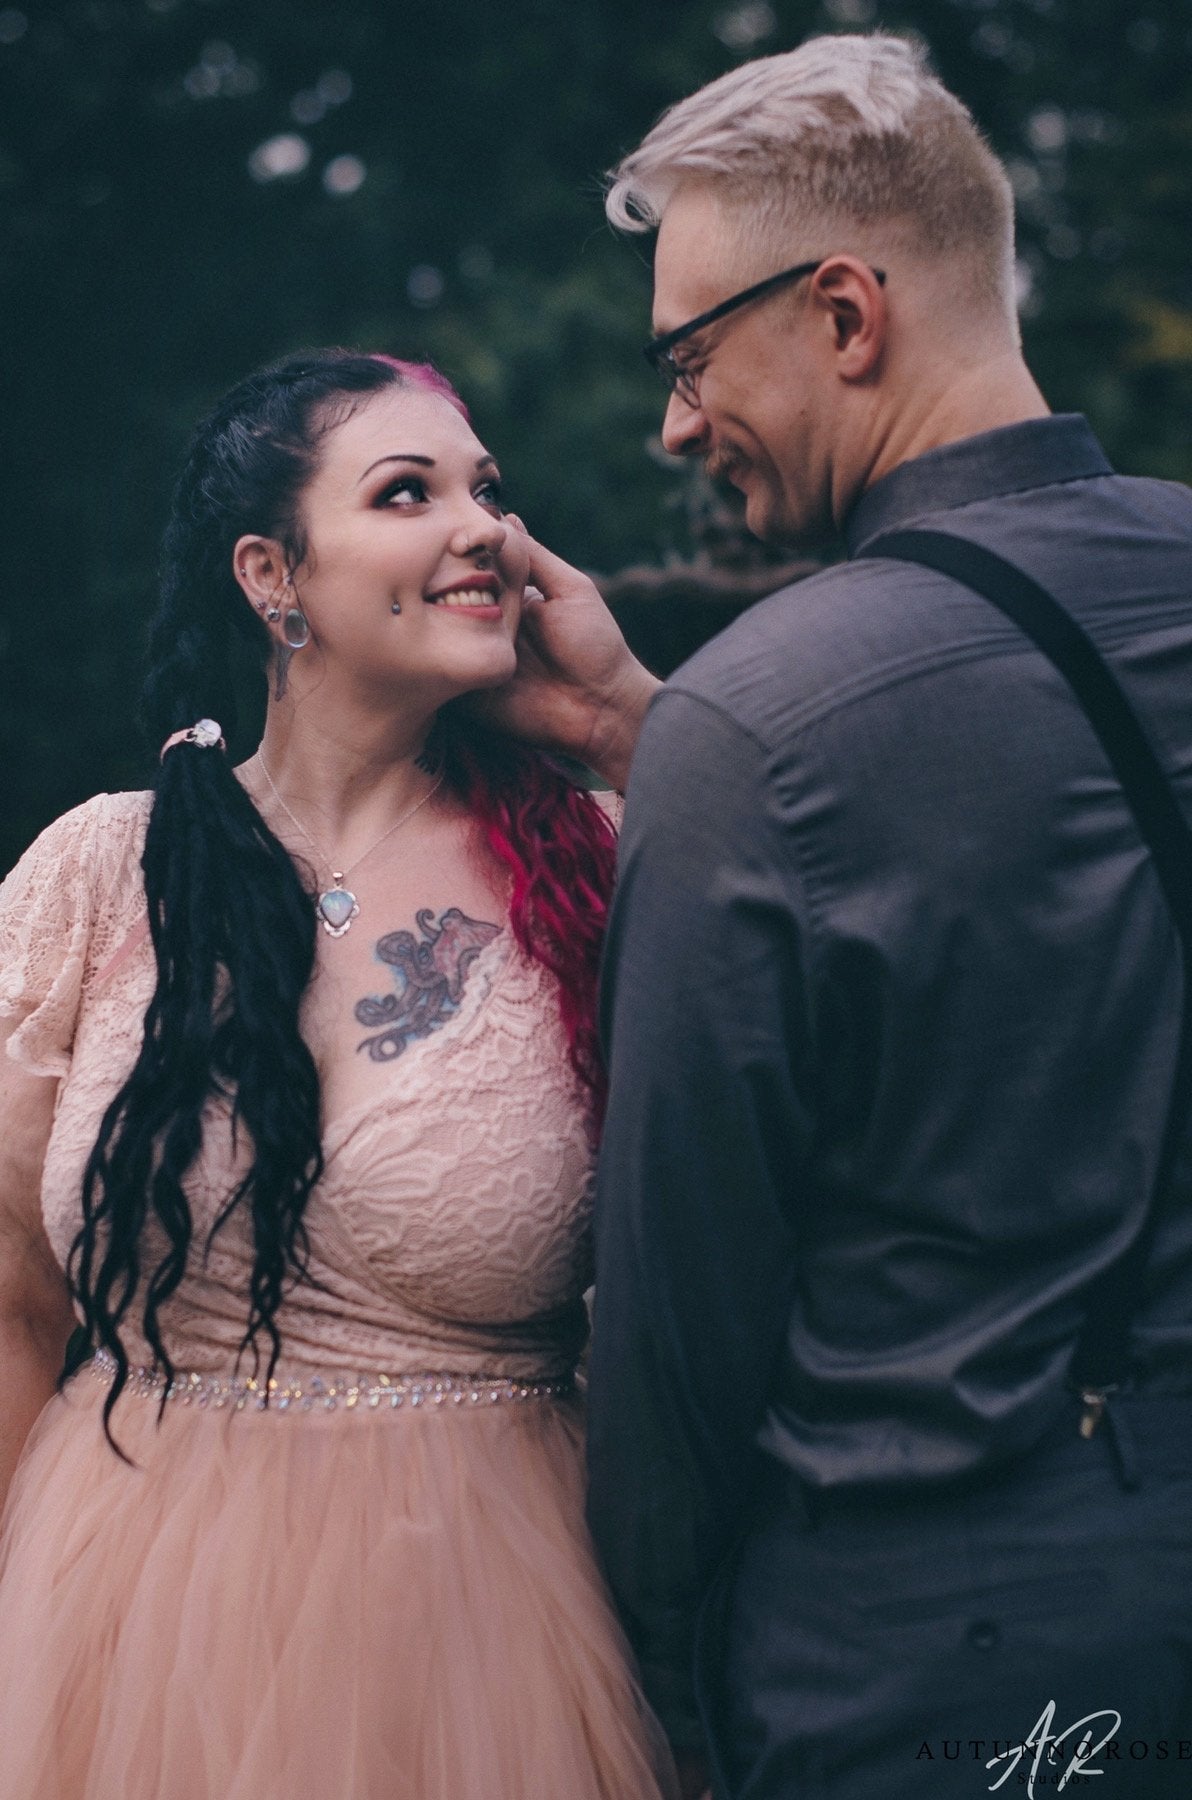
{"x": 847, "y": 131}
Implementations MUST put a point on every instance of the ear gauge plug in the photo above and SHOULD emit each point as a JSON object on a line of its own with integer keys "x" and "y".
{"x": 295, "y": 629}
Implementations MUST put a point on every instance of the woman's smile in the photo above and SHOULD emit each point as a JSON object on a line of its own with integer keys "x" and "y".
{"x": 476, "y": 594}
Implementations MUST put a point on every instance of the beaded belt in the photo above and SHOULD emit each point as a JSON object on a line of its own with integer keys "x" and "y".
{"x": 329, "y": 1393}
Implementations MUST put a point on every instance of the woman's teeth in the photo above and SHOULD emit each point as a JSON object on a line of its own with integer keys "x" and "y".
{"x": 465, "y": 597}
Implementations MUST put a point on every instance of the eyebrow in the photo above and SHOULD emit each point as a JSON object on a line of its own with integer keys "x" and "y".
{"x": 424, "y": 462}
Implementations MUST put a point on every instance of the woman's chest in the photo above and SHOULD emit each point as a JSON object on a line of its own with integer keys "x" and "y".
{"x": 401, "y": 972}
{"x": 458, "y": 1156}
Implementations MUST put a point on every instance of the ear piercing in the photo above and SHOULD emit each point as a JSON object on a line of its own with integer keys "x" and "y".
{"x": 272, "y": 613}
{"x": 295, "y": 627}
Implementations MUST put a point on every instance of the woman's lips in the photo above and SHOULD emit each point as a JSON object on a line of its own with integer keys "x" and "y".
{"x": 474, "y": 594}
{"x": 467, "y": 600}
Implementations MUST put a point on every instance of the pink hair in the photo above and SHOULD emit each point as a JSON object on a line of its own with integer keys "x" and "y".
{"x": 424, "y": 375}
{"x": 560, "y": 849}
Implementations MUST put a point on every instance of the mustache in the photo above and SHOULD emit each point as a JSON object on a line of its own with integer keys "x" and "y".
{"x": 720, "y": 464}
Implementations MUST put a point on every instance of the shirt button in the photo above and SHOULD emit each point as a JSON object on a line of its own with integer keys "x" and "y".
{"x": 983, "y": 1634}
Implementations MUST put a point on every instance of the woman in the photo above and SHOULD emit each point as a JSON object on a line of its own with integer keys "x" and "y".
{"x": 301, "y": 1086}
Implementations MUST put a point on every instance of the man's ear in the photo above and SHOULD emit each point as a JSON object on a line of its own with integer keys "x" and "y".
{"x": 854, "y": 307}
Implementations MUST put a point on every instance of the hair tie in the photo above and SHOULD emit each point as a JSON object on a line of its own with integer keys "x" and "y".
{"x": 206, "y": 734}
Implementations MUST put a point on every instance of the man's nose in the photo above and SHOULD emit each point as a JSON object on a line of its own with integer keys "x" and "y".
{"x": 684, "y": 428}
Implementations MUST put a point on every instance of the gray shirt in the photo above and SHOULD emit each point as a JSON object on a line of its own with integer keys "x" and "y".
{"x": 893, "y": 1003}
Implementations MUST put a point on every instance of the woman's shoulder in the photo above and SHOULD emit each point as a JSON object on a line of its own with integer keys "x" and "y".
{"x": 97, "y": 830}
{"x": 126, "y": 810}
{"x": 118, "y": 822}
{"x": 63, "y": 910}
{"x": 86, "y": 853}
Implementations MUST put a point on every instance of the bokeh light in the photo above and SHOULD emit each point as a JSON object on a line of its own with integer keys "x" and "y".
{"x": 285, "y": 154}
{"x": 343, "y": 175}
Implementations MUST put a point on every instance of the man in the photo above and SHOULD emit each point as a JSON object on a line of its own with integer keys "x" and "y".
{"x": 894, "y": 999}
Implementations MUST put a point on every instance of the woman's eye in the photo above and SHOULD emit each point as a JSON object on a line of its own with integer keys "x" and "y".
{"x": 489, "y": 494}
{"x": 408, "y": 491}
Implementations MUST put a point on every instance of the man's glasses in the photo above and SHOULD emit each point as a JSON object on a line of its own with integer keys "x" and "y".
{"x": 683, "y": 379}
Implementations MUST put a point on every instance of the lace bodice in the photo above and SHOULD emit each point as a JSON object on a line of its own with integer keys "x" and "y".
{"x": 451, "y": 1227}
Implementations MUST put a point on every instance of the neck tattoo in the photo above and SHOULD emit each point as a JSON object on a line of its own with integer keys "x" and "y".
{"x": 337, "y": 905}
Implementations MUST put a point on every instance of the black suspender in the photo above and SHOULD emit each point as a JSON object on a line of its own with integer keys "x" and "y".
{"x": 1102, "y": 1355}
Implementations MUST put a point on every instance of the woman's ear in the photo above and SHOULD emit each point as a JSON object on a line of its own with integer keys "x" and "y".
{"x": 260, "y": 570}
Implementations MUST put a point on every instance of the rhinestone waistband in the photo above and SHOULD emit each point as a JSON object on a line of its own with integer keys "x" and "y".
{"x": 330, "y": 1393}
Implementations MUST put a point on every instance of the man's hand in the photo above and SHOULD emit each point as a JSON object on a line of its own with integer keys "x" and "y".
{"x": 578, "y": 689}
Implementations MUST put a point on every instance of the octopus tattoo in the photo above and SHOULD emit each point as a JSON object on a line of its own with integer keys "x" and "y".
{"x": 429, "y": 973}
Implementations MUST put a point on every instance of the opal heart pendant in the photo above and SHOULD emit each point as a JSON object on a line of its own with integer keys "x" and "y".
{"x": 337, "y": 907}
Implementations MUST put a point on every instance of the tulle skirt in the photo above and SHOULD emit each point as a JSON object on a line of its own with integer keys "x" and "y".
{"x": 329, "y": 1606}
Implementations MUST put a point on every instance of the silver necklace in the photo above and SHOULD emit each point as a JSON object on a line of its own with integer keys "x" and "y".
{"x": 337, "y": 905}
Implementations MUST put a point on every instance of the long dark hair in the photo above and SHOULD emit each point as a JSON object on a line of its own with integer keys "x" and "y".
{"x": 233, "y": 927}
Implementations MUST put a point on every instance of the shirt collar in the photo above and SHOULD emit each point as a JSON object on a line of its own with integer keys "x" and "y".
{"x": 1032, "y": 454}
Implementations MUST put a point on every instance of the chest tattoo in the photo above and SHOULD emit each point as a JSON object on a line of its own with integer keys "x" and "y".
{"x": 429, "y": 974}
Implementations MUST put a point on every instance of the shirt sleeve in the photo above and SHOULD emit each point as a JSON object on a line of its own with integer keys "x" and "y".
{"x": 705, "y": 1014}
{"x": 45, "y": 928}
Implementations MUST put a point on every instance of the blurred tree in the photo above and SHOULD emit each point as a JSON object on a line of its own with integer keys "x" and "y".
{"x": 189, "y": 187}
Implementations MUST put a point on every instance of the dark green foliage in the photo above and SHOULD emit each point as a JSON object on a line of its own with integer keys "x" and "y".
{"x": 145, "y": 268}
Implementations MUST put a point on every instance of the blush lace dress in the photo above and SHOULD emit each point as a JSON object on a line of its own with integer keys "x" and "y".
{"x": 380, "y": 1586}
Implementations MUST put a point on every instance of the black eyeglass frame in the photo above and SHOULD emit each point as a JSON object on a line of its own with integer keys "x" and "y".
{"x": 658, "y": 351}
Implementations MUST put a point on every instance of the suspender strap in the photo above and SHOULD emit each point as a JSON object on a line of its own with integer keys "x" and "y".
{"x": 1102, "y": 1354}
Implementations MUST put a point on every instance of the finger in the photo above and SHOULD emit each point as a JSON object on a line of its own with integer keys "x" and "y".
{"x": 554, "y": 577}
{"x": 546, "y": 572}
